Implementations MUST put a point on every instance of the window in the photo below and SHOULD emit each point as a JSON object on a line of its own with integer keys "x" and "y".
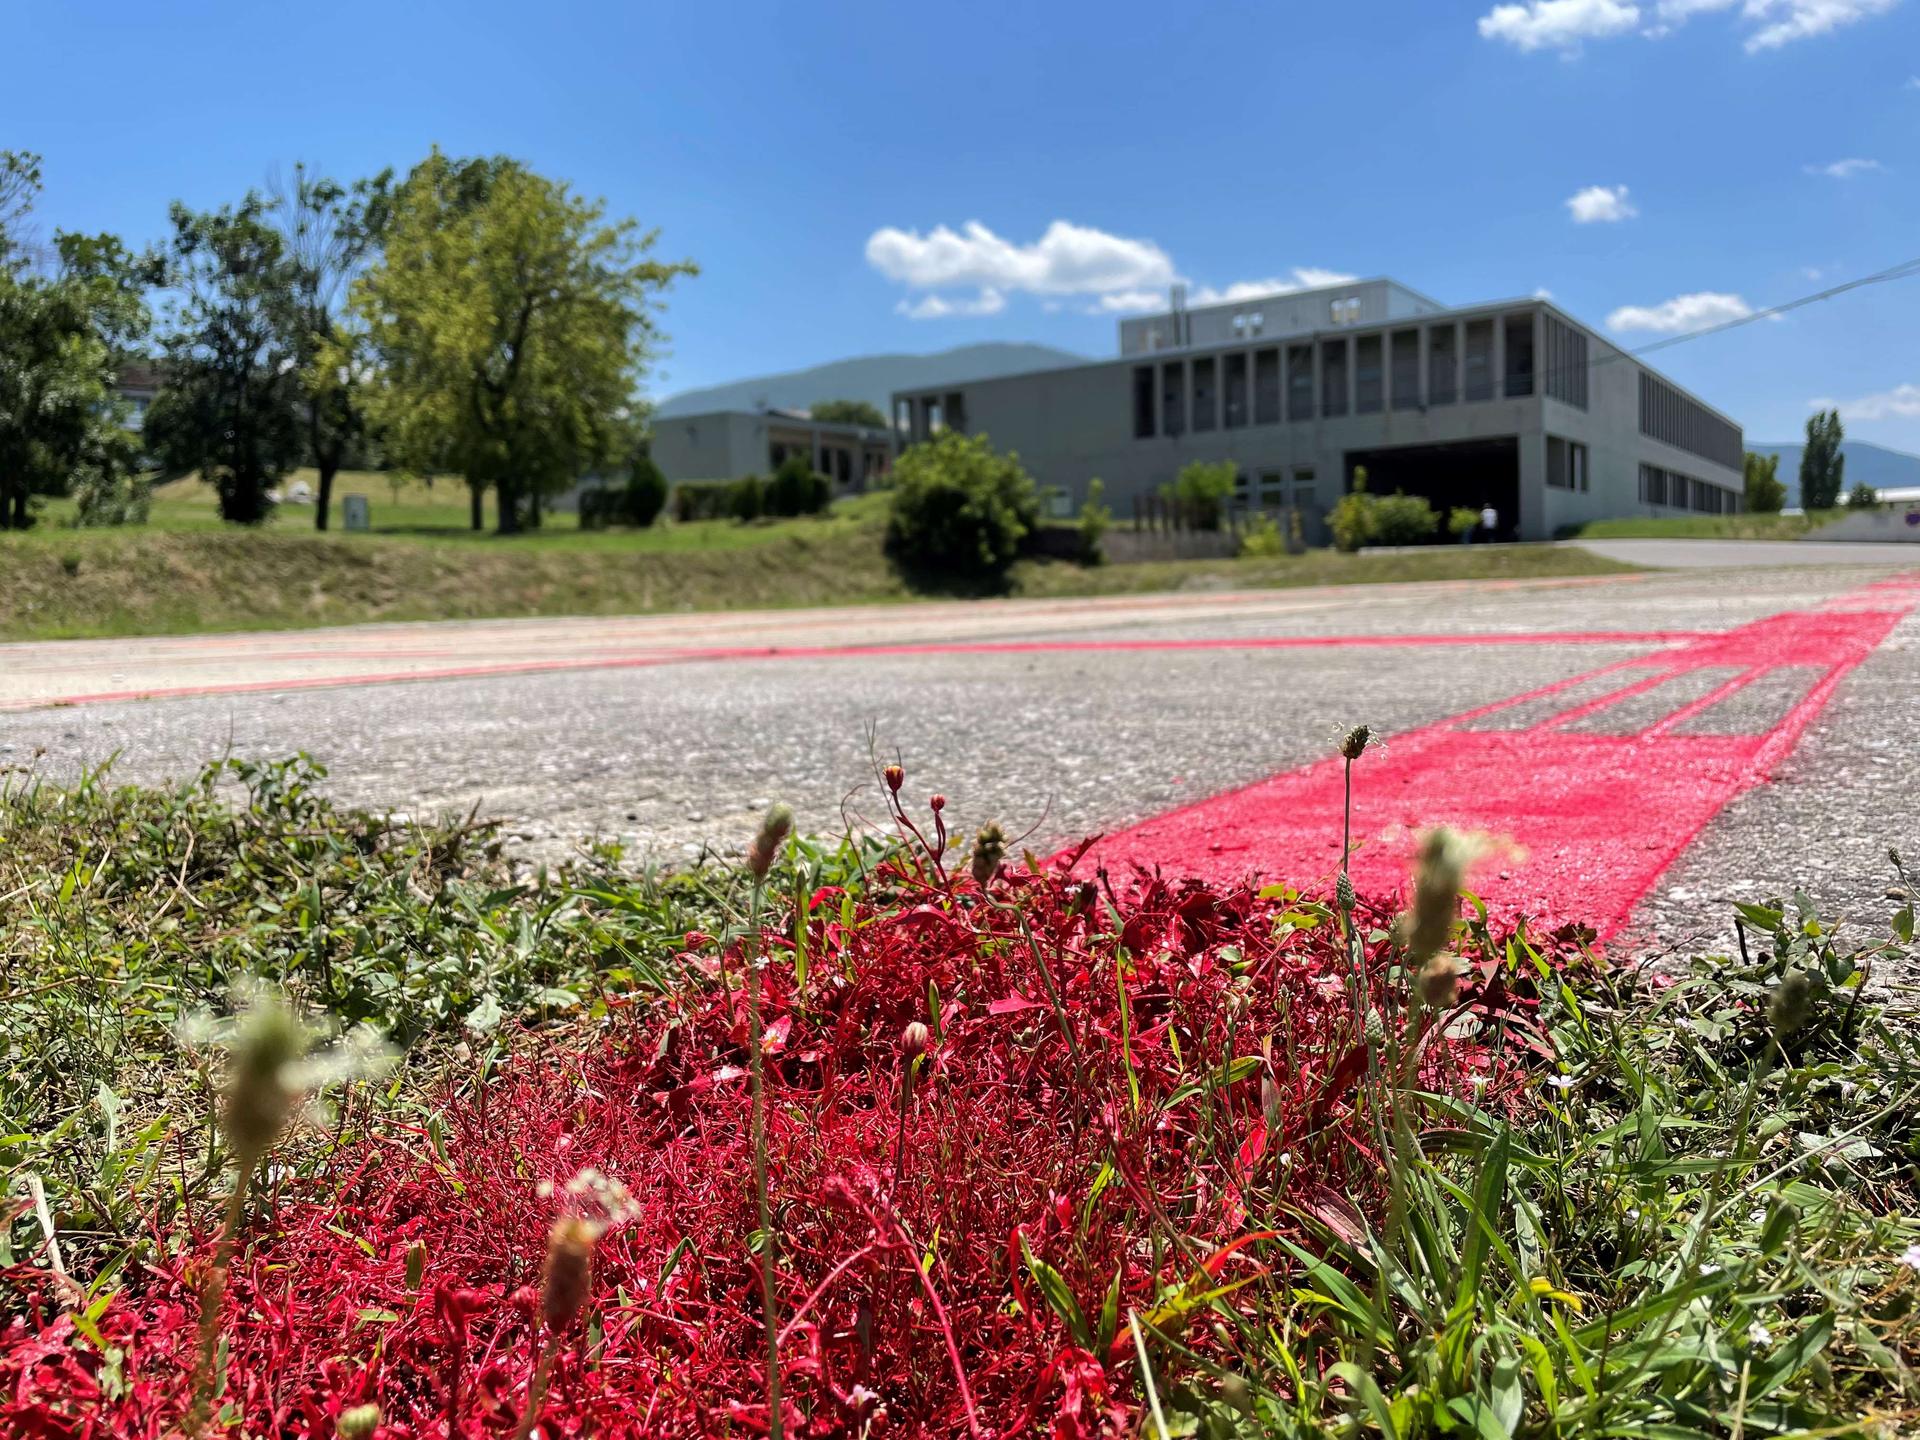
{"x": 1173, "y": 409}
{"x": 1566, "y": 464}
{"x": 1299, "y": 382}
{"x": 1478, "y": 375}
{"x": 1405, "y": 369}
{"x": 1206, "y": 399}
{"x": 1242, "y": 490}
{"x": 1366, "y": 375}
{"x": 1273, "y": 490}
{"x": 1668, "y": 416}
{"x": 1443, "y": 365}
{"x": 903, "y": 416}
{"x": 1333, "y": 377}
{"x": 1345, "y": 310}
{"x": 1566, "y": 363}
{"x": 935, "y": 424}
{"x": 1143, "y": 402}
{"x": 1266, "y": 387}
{"x": 1303, "y": 489}
{"x": 1235, "y": 386}
{"x": 1519, "y": 338}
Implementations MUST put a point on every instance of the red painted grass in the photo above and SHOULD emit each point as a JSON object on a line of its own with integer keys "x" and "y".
{"x": 1118, "y": 1144}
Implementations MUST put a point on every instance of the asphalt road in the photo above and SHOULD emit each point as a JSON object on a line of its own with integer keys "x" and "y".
{"x": 1058, "y": 718}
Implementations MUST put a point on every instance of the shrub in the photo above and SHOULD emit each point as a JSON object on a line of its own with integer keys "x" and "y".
{"x": 1400, "y": 519}
{"x": 1766, "y": 492}
{"x": 960, "y": 509}
{"x": 1095, "y": 518}
{"x": 747, "y": 498}
{"x": 797, "y": 489}
{"x": 646, "y": 493}
{"x": 1461, "y": 520}
{"x": 1262, "y": 540}
{"x": 1351, "y": 521}
{"x": 1862, "y": 497}
{"x": 107, "y": 496}
{"x": 1201, "y": 492}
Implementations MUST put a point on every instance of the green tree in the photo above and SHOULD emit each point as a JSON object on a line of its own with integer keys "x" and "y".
{"x": 230, "y": 384}
{"x": 1862, "y": 497}
{"x": 1766, "y": 491}
{"x": 849, "y": 412}
{"x": 330, "y": 233}
{"x": 1201, "y": 490}
{"x": 64, "y": 333}
{"x": 511, "y": 322}
{"x": 1822, "y": 466}
{"x": 1096, "y": 518}
{"x": 646, "y": 494}
{"x": 795, "y": 489}
{"x": 960, "y": 510}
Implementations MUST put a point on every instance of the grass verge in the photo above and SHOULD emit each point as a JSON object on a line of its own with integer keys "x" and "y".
{"x": 1159, "y": 1160}
{"x": 1708, "y": 527}
{"x": 72, "y": 584}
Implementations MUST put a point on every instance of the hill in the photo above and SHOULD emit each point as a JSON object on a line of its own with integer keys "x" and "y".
{"x": 872, "y": 378}
{"x": 1878, "y": 466}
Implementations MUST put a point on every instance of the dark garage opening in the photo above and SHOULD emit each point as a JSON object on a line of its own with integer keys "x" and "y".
{"x": 1474, "y": 473}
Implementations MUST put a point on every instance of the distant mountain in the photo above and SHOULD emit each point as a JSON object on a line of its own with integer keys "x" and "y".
{"x": 872, "y": 378}
{"x": 1878, "y": 466}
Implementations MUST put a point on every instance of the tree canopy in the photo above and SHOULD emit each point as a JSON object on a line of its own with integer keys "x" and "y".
{"x": 1766, "y": 491}
{"x": 1823, "y": 468}
{"x": 510, "y": 322}
{"x": 849, "y": 412}
{"x": 67, "y": 321}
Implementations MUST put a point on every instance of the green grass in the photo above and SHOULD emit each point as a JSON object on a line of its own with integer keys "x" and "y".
{"x": 1708, "y": 527}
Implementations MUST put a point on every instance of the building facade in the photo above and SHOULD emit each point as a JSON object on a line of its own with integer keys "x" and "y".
{"x": 1513, "y": 404}
{"x": 727, "y": 444}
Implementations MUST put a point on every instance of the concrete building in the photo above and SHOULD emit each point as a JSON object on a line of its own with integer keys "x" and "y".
{"x": 1514, "y": 404}
{"x": 727, "y": 444}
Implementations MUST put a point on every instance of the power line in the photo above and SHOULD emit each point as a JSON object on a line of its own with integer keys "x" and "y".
{"x": 1903, "y": 271}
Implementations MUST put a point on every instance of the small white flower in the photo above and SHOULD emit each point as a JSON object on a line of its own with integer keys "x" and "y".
{"x": 1633, "y": 1215}
{"x": 1911, "y": 1258}
{"x": 1709, "y": 1269}
{"x": 1560, "y": 1082}
{"x": 1758, "y": 1217}
{"x": 1479, "y": 1082}
{"x": 1759, "y": 1336}
{"x": 1285, "y": 1157}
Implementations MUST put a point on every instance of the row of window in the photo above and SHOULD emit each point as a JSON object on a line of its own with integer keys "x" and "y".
{"x": 1230, "y": 391}
{"x": 1666, "y": 414}
{"x": 1566, "y": 377}
{"x": 1683, "y": 492}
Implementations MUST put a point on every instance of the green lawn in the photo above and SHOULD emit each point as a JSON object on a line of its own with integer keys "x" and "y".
{"x": 1708, "y": 527}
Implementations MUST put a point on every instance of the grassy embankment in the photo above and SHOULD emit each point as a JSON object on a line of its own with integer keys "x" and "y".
{"x": 1709, "y": 527}
{"x": 1579, "y": 1203}
{"x": 186, "y": 572}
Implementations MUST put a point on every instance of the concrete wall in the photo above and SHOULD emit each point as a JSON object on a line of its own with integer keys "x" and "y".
{"x": 727, "y": 444}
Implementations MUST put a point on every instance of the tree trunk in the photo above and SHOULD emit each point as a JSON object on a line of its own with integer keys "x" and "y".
{"x": 533, "y": 509}
{"x": 323, "y": 500}
{"x": 509, "y": 504}
{"x": 476, "y": 495}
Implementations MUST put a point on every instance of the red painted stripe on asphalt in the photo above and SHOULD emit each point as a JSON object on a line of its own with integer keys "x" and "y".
{"x": 833, "y": 652}
{"x": 1592, "y": 820}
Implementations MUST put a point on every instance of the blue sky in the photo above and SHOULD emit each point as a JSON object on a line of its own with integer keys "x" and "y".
{"x": 869, "y": 177}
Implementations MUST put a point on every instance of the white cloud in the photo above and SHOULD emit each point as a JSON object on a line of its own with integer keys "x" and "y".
{"x": 1900, "y": 403}
{"x": 1913, "y": 82}
{"x": 938, "y": 307}
{"x": 1558, "y": 24}
{"x": 1129, "y": 302}
{"x": 1068, "y": 259}
{"x": 1563, "y": 24}
{"x": 1845, "y": 169}
{"x": 1601, "y": 204}
{"x": 1683, "y": 312}
{"x": 1543, "y": 293}
{"x": 1790, "y": 20}
{"x": 1303, "y": 277}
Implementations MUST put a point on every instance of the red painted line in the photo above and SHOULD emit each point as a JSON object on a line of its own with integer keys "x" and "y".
{"x": 833, "y": 652}
{"x": 1591, "y": 821}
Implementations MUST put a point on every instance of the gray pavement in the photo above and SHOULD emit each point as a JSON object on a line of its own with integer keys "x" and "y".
{"x": 1752, "y": 554}
{"x": 673, "y": 757}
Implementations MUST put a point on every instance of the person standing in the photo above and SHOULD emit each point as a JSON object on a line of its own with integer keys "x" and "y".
{"x": 1489, "y": 521}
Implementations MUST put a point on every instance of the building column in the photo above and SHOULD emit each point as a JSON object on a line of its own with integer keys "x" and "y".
{"x": 1423, "y": 362}
{"x": 1353, "y": 386}
{"x": 1499, "y": 357}
{"x": 1459, "y": 362}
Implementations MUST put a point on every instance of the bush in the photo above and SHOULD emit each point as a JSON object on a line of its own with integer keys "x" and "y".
{"x": 1766, "y": 492}
{"x": 960, "y": 510}
{"x": 1862, "y": 497}
{"x": 1400, "y": 519}
{"x": 646, "y": 493}
{"x": 797, "y": 488}
{"x": 747, "y": 498}
{"x": 107, "y": 496}
{"x": 1461, "y": 520}
{"x": 1095, "y": 518}
{"x": 1201, "y": 492}
{"x": 1396, "y": 519}
{"x": 1262, "y": 540}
